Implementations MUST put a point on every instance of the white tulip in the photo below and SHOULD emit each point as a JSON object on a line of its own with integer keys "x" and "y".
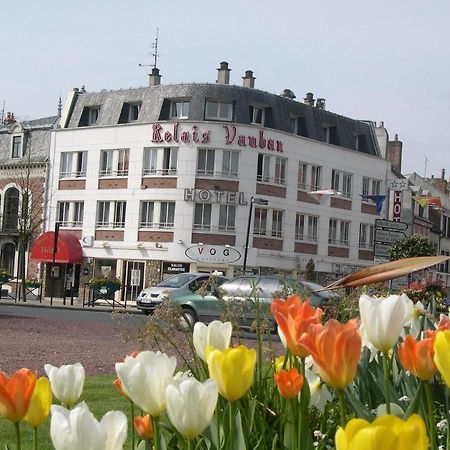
{"x": 383, "y": 319}
{"x": 78, "y": 429}
{"x": 191, "y": 405}
{"x": 144, "y": 379}
{"x": 67, "y": 382}
{"x": 217, "y": 335}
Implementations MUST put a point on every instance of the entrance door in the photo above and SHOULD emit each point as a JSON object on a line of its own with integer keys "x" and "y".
{"x": 134, "y": 279}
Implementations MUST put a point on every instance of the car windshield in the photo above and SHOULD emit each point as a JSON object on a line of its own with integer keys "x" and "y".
{"x": 177, "y": 281}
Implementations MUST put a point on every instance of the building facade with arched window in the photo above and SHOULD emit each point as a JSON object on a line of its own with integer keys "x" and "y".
{"x": 164, "y": 179}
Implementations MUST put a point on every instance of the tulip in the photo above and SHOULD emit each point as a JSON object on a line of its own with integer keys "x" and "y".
{"x": 293, "y": 318}
{"x": 383, "y": 319}
{"x": 117, "y": 383}
{"x": 143, "y": 426}
{"x": 144, "y": 379}
{"x": 444, "y": 323}
{"x": 232, "y": 369}
{"x": 289, "y": 382}
{"x": 320, "y": 395}
{"x": 442, "y": 354}
{"x": 15, "y": 394}
{"x": 40, "y": 403}
{"x": 67, "y": 382}
{"x": 191, "y": 405}
{"x": 78, "y": 429}
{"x": 417, "y": 357}
{"x": 217, "y": 335}
{"x": 280, "y": 362}
{"x": 385, "y": 433}
{"x": 336, "y": 349}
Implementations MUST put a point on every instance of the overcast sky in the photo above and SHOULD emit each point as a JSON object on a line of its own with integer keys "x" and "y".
{"x": 379, "y": 60}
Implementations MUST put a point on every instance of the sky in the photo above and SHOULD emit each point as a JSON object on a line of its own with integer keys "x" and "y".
{"x": 378, "y": 60}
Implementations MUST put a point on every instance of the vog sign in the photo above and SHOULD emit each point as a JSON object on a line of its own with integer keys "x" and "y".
{"x": 212, "y": 254}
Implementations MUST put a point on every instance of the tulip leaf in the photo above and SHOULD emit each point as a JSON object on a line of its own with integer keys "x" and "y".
{"x": 387, "y": 271}
{"x": 414, "y": 405}
{"x": 237, "y": 436}
{"x": 359, "y": 408}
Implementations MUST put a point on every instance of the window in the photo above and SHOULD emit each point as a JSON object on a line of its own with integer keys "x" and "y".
{"x": 89, "y": 116}
{"x": 306, "y": 227}
{"x": 114, "y": 163}
{"x": 16, "y": 151}
{"x": 111, "y": 214}
{"x": 361, "y": 143}
{"x": 179, "y": 109}
{"x": 130, "y": 112}
{"x": 227, "y": 214}
{"x": 445, "y": 226}
{"x": 167, "y": 215}
{"x": 309, "y": 176}
{"x": 316, "y": 177}
{"x": 371, "y": 186}
{"x": 147, "y": 214}
{"x": 339, "y": 232}
{"x": 73, "y": 165}
{"x": 257, "y": 115}
{"x": 160, "y": 161}
{"x": 260, "y": 222}
{"x": 263, "y": 169}
{"x": 205, "y": 161}
{"x": 218, "y": 110}
{"x": 202, "y": 216}
{"x": 70, "y": 214}
{"x": 280, "y": 170}
{"x": 230, "y": 163}
{"x": 11, "y": 209}
{"x": 331, "y": 135}
{"x": 366, "y": 235}
{"x": 302, "y": 175}
{"x": 341, "y": 182}
{"x": 277, "y": 223}
{"x": 298, "y": 126}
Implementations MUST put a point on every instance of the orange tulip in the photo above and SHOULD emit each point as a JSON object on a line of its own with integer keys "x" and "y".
{"x": 15, "y": 394}
{"x": 143, "y": 426}
{"x": 118, "y": 384}
{"x": 418, "y": 356}
{"x": 336, "y": 349}
{"x": 289, "y": 382}
{"x": 294, "y": 317}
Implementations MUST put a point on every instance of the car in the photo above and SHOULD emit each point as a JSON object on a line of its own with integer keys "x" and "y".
{"x": 181, "y": 284}
{"x": 238, "y": 298}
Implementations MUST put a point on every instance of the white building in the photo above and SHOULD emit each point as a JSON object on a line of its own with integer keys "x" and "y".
{"x": 160, "y": 179}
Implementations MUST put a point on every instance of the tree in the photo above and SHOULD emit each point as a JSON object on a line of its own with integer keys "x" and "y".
{"x": 310, "y": 268}
{"x": 409, "y": 247}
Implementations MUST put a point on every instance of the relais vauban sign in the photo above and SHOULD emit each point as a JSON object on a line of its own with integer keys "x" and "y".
{"x": 213, "y": 254}
{"x": 175, "y": 133}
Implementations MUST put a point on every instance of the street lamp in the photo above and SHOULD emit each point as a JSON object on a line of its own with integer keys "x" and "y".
{"x": 257, "y": 201}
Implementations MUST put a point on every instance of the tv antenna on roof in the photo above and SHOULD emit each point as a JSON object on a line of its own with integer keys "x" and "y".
{"x": 155, "y": 55}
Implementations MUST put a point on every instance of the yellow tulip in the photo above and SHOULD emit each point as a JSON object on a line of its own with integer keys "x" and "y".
{"x": 232, "y": 369}
{"x": 40, "y": 403}
{"x": 442, "y": 354}
{"x": 385, "y": 433}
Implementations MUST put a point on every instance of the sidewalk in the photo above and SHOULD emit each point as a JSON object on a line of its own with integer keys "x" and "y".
{"x": 57, "y": 302}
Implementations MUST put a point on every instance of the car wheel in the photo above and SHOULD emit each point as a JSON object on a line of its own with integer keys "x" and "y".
{"x": 188, "y": 319}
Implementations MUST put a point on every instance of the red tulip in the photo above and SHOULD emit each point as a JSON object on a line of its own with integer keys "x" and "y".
{"x": 289, "y": 382}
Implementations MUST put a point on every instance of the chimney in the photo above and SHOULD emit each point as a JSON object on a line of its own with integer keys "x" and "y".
{"x": 394, "y": 153}
{"x": 288, "y": 94}
{"x": 320, "y": 103}
{"x": 223, "y": 73}
{"x": 154, "y": 78}
{"x": 309, "y": 99}
{"x": 10, "y": 118}
{"x": 443, "y": 174}
{"x": 249, "y": 79}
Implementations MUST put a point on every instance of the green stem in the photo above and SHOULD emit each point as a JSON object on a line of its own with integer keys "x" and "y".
{"x": 190, "y": 444}
{"x": 342, "y": 406}
{"x": 156, "y": 431}
{"x": 292, "y": 404}
{"x": 17, "y": 428}
{"x": 302, "y": 366}
{"x": 430, "y": 414}
{"x": 230, "y": 423}
{"x": 35, "y": 441}
{"x": 386, "y": 382}
{"x": 133, "y": 436}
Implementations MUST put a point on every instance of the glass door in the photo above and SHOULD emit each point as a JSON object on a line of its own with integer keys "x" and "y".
{"x": 134, "y": 279}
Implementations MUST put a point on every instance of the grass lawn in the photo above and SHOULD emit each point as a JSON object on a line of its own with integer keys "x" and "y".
{"x": 100, "y": 395}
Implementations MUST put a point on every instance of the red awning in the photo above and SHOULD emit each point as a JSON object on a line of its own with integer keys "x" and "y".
{"x": 68, "y": 248}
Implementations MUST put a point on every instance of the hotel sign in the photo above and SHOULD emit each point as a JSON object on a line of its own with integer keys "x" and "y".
{"x": 207, "y": 196}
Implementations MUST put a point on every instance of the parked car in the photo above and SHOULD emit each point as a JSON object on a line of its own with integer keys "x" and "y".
{"x": 238, "y": 297}
{"x": 175, "y": 286}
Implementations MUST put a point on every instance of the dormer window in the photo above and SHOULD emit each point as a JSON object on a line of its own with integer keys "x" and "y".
{"x": 17, "y": 146}
{"x": 179, "y": 109}
{"x": 218, "y": 110}
{"x": 331, "y": 134}
{"x": 257, "y": 115}
{"x": 89, "y": 116}
{"x": 130, "y": 112}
